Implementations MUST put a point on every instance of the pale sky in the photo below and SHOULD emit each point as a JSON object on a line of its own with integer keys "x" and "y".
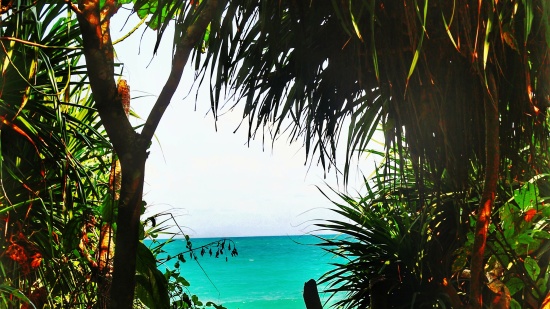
{"x": 212, "y": 182}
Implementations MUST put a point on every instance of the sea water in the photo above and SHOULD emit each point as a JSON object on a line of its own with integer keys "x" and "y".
{"x": 268, "y": 272}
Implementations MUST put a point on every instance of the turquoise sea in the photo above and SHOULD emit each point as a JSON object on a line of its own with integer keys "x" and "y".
{"x": 268, "y": 272}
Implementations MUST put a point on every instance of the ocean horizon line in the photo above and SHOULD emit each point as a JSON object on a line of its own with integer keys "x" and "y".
{"x": 249, "y": 236}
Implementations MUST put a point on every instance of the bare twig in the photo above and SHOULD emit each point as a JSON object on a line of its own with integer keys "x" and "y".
{"x": 9, "y": 38}
{"x": 124, "y": 37}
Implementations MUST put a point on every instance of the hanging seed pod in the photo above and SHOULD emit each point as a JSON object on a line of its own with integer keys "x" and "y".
{"x": 124, "y": 93}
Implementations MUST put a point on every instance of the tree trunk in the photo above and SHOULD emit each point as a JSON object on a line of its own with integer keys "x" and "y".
{"x": 127, "y": 234}
{"x": 131, "y": 147}
{"x": 106, "y": 237}
{"x": 492, "y": 158}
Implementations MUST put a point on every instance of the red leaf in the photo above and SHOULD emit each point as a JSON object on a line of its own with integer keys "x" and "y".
{"x": 529, "y": 215}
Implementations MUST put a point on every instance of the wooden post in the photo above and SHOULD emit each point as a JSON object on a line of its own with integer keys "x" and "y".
{"x": 311, "y": 295}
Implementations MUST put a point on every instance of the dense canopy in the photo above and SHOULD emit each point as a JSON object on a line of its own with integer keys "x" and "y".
{"x": 422, "y": 69}
{"x": 460, "y": 89}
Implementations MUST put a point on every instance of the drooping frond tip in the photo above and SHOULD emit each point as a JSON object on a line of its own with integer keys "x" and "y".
{"x": 304, "y": 64}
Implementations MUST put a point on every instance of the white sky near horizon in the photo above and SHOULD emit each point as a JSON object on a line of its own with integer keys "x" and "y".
{"x": 213, "y": 182}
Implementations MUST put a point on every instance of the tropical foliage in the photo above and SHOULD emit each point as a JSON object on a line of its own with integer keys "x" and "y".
{"x": 59, "y": 175}
{"x": 452, "y": 83}
{"x": 403, "y": 251}
{"x": 55, "y": 162}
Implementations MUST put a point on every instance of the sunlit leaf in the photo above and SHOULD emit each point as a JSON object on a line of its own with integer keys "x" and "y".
{"x": 526, "y": 196}
{"x": 487, "y": 41}
{"x": 532, "y": 267}
{"x": 514, "y": 285}
{"x": 514, "y": 304}
{"x": 528, "y": 7}
{"x": 418, "y": 49}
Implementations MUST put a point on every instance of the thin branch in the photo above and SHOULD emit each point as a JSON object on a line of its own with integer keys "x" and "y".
{"x": 9, "y": 38}
{"x": 183, "y": 50}
{"x": 452, "y": 293}
{"x": 124, "y": 37}
{"x": 73, "y": 7}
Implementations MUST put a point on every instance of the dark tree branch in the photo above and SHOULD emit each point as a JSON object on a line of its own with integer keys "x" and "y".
{"x": 109, "y": 9}
{"x": 98, "y": 51}
{"x": 492, "y": 159}
{"x": 452, "y": 293}
{"x": 184, "y": 48}
{"x": 73, "y": 7}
